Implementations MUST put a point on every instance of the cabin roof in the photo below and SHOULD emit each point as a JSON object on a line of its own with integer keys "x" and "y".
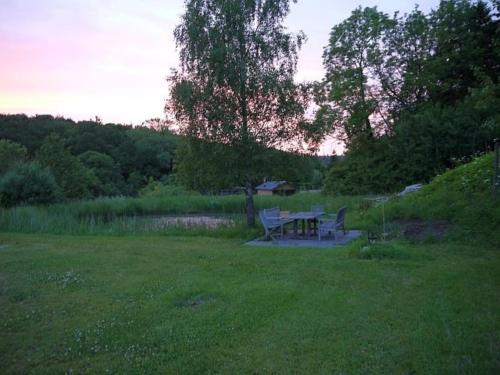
{"x": 271, "y": 185}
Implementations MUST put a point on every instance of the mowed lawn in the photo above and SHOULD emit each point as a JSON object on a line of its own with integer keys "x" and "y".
{"x": 202, "y": 305}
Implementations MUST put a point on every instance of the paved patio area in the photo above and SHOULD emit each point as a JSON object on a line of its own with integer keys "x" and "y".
{"x": 289, "y": 241}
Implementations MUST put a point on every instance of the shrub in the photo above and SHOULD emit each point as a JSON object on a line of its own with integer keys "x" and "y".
{"x": 160, "y": 189}
{"x": 28, "y": 183}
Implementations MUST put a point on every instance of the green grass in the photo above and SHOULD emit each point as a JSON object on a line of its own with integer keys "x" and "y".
{"x": 117, "y": 297}
{"x": 194, "y": 305}
{"x": 462, "y": 196}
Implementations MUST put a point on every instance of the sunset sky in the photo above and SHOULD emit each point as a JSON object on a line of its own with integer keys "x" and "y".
{"x": 109, "y": 58}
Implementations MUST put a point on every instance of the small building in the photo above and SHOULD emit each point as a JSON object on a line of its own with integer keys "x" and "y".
{"x": 275, "y": 188}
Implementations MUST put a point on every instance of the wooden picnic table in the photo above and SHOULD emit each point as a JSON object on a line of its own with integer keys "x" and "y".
{"x": 306, "y": 217}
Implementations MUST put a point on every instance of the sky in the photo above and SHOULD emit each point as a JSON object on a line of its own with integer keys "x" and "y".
{"x": 109, "y": 58}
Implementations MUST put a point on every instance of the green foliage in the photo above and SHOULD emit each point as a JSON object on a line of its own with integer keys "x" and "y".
{"x": 433, "y": 80}
{"x": 153, "y": 152}
{"x": 28, "y": 184}
{"x": 475, "y": 177}
{"x": 462, "y": 195}
{"x": 236, "y": 83}
{"x": 364, "y": 169}
{"x": 351, "y": 59}
{"x": 204, "y": 166}
{"x": 199, "y": 166}
{"x": 10, "y": 153}
{"x": 108, "y": 180}
{"x": 71, "y": 175}
{"x": 465, "y": 34}
{"x": 160, "y": 189}
{"x": 137, "y": 153}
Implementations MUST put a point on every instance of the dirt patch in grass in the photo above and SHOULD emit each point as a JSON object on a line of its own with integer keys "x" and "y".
{"x": 421, "y": 230}
{"x": 195, "y": 301}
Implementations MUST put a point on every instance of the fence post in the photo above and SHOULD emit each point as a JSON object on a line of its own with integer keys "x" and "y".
{"x": 496, "y": 180}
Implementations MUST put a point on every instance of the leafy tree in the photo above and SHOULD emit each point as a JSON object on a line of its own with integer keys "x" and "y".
{"x": 28, "y": 183}
{"x": 439, "y": 92}
{"x": 207, "y": 173}
{"x": 465, "y": 35}
{"x": 108, "y": 180}
{"x": 349, "y": 96}
{"x": 235, "y": 85}
{"x": 153, "y": 152}
{"x": 400, "y": 68}
{"x": 70, "y": 174}
{"x": 10, "y": 153}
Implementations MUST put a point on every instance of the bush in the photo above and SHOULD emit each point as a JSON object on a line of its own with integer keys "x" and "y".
{"x": 28, "y": 183}
{"x": 161, "y": 189}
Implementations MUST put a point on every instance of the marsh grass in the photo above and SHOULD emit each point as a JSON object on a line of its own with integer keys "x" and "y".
{"x": 134, "y": 215}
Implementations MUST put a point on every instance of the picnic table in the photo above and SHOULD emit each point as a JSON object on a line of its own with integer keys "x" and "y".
{"x": 307, "y": 217}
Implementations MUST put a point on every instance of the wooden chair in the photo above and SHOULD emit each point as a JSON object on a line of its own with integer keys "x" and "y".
{"x": 272, "y": 221}
{"x": 331, "y": 226}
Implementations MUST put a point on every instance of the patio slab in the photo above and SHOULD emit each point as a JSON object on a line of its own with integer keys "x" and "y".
{"x": 342, "y": 239}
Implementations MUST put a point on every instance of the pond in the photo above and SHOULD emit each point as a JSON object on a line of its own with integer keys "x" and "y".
{"x": 206, "y": 221}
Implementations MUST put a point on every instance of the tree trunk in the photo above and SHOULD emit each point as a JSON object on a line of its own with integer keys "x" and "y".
{"x": 250, "y": 208}
{"x": 245, "y": 141}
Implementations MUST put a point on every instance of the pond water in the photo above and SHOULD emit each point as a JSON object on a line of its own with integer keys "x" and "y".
{"x": 159, "y": 222}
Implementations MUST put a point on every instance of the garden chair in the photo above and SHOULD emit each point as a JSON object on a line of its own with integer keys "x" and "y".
{"x": 272, "y": 222}
{"x": 330, "y": 226}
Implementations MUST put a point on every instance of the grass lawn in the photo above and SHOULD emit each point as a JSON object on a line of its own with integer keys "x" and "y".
{"x": 202, "y": 305}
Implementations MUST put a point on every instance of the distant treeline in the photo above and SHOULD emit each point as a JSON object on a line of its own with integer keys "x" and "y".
{"x": 79, "y": 159}
{"x": 46, "y": 159}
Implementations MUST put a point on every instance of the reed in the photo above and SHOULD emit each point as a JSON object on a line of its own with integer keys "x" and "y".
{"x": 122, "y": 215}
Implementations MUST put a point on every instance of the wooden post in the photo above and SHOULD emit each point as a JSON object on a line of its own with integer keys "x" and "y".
{"x": 496, "y": 179}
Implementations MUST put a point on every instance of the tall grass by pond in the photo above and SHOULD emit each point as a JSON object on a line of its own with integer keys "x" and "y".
{"x": 122, "y": 215}
{"x": 187, "y": 204}
{"x": 42, "y": 220}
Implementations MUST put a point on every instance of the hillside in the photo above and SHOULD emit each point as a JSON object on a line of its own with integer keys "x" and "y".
{"x": 462, "y": 195}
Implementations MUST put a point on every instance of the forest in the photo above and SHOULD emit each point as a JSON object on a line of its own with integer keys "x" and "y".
{"x": 46, "y": 159}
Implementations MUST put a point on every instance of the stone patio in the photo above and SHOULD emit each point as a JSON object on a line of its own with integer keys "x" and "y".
{"x": 290, "y": 241}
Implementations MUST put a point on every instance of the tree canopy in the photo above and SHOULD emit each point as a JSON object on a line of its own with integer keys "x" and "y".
{"x": 235, "y": 84}
{"x": 412, "y": 95}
